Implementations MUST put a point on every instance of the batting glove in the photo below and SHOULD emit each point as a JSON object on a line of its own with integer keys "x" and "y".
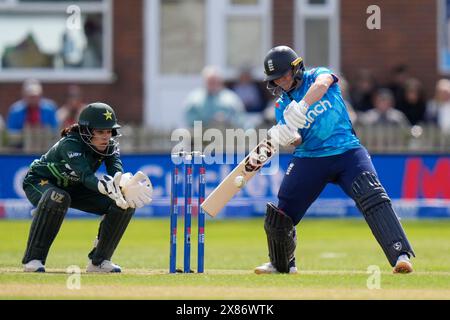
{"x": 295, "y": 114}
{"x": 283, "y": 135}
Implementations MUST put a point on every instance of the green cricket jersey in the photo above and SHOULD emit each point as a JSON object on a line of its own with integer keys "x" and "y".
{"x": 71, "y": 162}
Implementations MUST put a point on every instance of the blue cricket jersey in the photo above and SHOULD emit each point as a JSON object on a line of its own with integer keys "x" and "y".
{"x": 328, "y": 129}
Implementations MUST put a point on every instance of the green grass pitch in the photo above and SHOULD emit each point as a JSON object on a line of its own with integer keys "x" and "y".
{"x": 333, "y": 258}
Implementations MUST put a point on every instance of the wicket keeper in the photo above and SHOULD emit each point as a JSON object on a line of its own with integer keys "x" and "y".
{"x": 311, "y": 115}
{"x": 65, "y": 177}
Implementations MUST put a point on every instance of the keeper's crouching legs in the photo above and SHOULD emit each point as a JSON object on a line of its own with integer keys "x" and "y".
{"x": 47, "y": 220}
{"x": 111, "y": 230}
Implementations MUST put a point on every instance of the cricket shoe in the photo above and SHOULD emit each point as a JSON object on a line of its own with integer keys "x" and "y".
{"x": 34, "y": 266}
{"x": 105, "y": 267}
{"x": 403, "y": 265}
{"x": 268, "y": 268}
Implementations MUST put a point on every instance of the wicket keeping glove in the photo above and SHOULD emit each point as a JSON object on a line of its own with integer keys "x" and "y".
{"x": 283, "y": 135}
{"x": 137, "y": 190}
{"x": 109, "y": 186}
{"x": 295, "y": 114}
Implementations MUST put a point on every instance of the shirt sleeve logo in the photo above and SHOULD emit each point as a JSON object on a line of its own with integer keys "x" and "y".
{"x": 73, "y": 154}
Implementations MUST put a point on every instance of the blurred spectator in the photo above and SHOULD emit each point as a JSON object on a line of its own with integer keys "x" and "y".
{"x": 413, "y": 104}
{"x": 93, "y": 53}
{"x": 214, "y": 105}
{"x": 384, "y": 112}
{"x": 268, "y": 115}
{"x": 397, "y": 84}
{"x": 343, "y": 84}
{"x": 250, "y": 92}
{"x": 72, "y": 48}
{"x": 68, "y": 113}
{"x": 363, "y": 90}
{"x": 252, "y": 96}
{"x": 438, "y": 109}
{"x": 32, "y": 111}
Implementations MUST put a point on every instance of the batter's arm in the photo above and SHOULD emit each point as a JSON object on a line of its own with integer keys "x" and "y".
{"x": 319, "y": 88}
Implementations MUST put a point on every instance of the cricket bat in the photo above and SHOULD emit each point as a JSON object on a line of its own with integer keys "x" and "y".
{"x": 247, "y": 168}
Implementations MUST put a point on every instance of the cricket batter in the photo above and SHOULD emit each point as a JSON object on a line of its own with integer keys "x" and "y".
{"x": 311, "y": 115}
{"x": 64, "y": 177}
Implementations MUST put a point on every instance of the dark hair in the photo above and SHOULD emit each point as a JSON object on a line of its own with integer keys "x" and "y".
{"x": 73, "y": 128}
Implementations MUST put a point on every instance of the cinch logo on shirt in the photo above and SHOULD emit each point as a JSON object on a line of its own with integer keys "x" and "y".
{"x": 318, "y": 109}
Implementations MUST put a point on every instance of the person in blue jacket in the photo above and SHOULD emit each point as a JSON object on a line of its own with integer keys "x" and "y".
{"x": 31, "y": 111}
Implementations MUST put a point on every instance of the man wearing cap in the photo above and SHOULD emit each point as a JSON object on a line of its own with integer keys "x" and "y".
{"x": 31, "y": 111}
